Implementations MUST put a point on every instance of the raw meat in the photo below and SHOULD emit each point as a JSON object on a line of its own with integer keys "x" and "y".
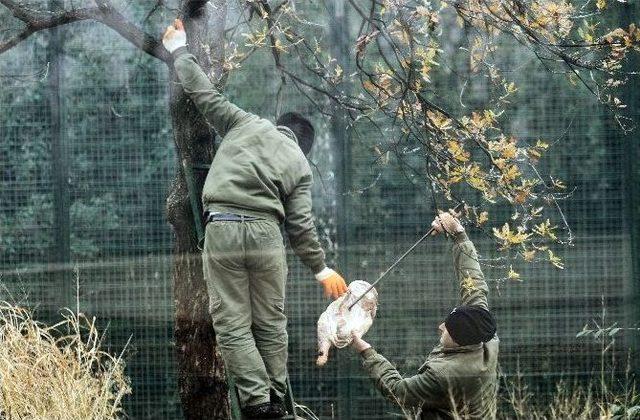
{"x": 337, "y": 323}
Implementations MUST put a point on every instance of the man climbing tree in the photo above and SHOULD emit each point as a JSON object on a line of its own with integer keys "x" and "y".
{"x": 258, "y": 179}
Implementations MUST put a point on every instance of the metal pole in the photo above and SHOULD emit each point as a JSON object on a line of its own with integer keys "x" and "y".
{"x": 628, "y": 14}
{"x": 458, "y": 209}
{"x": 339, "y": 34}
{"x": 61, "y": 255}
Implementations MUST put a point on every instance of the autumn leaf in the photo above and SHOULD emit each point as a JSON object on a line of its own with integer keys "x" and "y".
{"x": 542, "y": 145}
{"x": 456, "y": 150}
{"x": 510, "y": 237}
{"x": 555, "y": 260}
{"x": 510, "y": 150}
{"x": 545, "y": 229}
{"x": 510, "y": 174}
{"x": 438, "y": 119}
{"x": 529, "y": 255}
{"x": 512, "y": 275}
{"x": 482, "y": 218}
{"x": 558, "y": 184}
{"x": 521, "y": 197}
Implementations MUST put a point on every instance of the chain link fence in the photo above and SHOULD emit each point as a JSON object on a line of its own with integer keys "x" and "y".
{"x": 95, "y": 180}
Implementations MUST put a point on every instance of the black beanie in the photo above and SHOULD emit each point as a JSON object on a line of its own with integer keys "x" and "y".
{"x": 470, "y": 325}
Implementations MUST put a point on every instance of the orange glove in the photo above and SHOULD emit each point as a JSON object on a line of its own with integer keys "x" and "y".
{"x": 332, "y": 282}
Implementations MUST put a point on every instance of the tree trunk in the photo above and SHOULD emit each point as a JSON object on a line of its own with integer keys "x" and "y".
{"x": 200, "y": 372}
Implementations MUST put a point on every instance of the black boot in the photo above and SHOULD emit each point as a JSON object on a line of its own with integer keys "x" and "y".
{"x": 277, "y": 404}
{"x": 260, "y": 411}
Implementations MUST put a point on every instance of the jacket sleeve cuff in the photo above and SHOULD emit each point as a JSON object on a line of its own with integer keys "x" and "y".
{"x": 323, "y": 274}
{"x": 317, "y": 268}
{"x": 368, "y": 353}
{"x": 180, "y": 52}
{"x": 461, "y": 237}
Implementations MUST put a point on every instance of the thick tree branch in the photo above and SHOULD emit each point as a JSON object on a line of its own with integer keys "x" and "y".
{"x": 12, "y": 42}
{"x": 36, "y": 21}
{"x": 129, "y": 31}
{"x": 20, "y": 12}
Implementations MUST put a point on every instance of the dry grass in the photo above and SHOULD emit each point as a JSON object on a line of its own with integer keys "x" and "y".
{"x": 57, "y": 372}
{"x": 573, "y": 402}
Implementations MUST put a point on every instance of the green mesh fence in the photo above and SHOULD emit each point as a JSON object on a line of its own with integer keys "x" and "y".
{"x": 118, "y": 161}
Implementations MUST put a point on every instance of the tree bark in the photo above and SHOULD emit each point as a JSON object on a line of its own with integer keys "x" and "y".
{"x": 200, "y": 372}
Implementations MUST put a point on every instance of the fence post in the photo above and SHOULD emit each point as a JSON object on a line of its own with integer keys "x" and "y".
{"x": 339, "y": 33}
{"x": 631, "y": 97}
{"x": 61, "y": 255}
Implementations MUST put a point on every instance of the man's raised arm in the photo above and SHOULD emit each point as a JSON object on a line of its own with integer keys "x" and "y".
{"x": 473, "y": 288}
{"x": 214, "y": 106}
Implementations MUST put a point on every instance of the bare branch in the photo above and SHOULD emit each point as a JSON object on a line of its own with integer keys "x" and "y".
{"x": 147, "y": 43}
{"x": 12, "y": 42}
{"x": 19, "y": 12}
{"x": 36, "y": 21}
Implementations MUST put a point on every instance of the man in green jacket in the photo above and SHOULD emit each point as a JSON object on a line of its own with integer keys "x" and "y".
{"x": 459, "y": 377}
{"x": 259, "y": 179}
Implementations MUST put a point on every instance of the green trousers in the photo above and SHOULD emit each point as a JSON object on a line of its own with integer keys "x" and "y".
{"x": 245, "y": 269}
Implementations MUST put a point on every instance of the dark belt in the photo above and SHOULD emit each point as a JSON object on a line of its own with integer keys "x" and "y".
{"x": 228, "y": 217}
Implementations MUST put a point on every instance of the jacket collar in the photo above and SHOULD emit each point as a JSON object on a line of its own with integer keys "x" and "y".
{"x": 460, "y": 349}
{"x": 287, "y": 132}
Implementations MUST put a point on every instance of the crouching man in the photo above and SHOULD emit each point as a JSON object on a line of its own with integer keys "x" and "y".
{"x": 459, "y": 377}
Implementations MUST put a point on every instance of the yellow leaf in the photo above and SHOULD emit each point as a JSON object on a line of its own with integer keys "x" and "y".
{"x": 545, "y": 229}
{"x": 556, "y": 261}
{"x": 456, "y": 150}
{"x": 521, "y": 197}
{"x": 537, "y": 212}
{"x": 558, "y": 184}
{"x": 439, "y": 120}
{"x": 601, "y": 4}
{"x": 510, "y": 174}
{"x": 533, "y": 153}
{"x": 529, "y": 255}
{"x": 510, "y": 237}
{"x": 512, "y": 274}
{"x": 510, "y": 150}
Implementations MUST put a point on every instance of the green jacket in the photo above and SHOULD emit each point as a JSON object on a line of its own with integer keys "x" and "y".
{"x": 454, "y": 382}
{"x": 258, "y": 170}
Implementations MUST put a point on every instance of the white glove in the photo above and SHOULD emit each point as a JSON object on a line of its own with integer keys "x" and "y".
{"x": 175, "y": 36}
{"x": 324, "y": 274}
{"x": 448, "y": 223}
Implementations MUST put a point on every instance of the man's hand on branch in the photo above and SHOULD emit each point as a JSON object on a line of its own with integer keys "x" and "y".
{"x": 448, "y": 223}
{"x": 333, "y": 283}
{"x": 175, "y": 36}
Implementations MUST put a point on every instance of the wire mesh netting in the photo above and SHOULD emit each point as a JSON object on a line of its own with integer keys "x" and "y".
{"x": 108, "y": 172}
